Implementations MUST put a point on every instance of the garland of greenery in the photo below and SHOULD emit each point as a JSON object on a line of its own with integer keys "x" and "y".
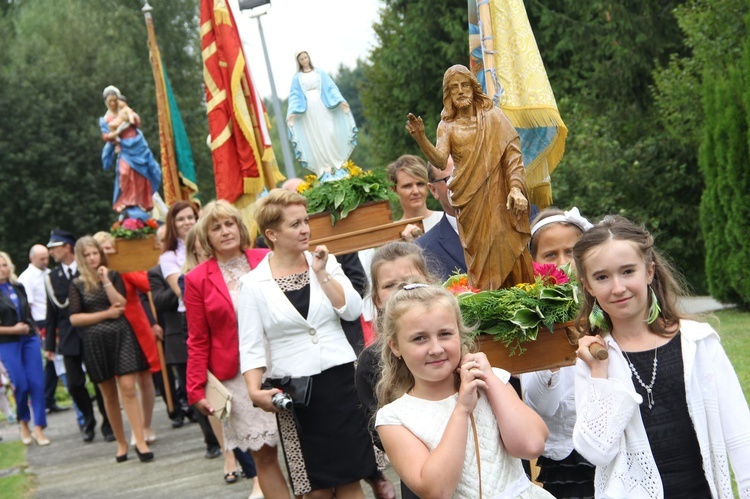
{"x": 515, "y": 315}
{"x": 340, "y": 197}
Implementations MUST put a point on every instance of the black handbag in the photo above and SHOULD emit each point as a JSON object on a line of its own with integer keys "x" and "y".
{"x": 299, "y": 388}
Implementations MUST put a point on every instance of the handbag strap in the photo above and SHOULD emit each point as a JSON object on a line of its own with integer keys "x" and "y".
{"x": 476, "y": 450}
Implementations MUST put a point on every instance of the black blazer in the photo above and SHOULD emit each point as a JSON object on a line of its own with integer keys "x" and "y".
{"x": 165, "y": 302}
{"x": 443, "y": 250}
{"x": 9, "y": 314}
{"x": 171, "y": 321}
{"x": 58, "y": 318}
{"x": 352, "y": 267}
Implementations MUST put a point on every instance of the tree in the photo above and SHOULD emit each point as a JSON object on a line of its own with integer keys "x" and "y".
{"x": 716, "y": 33}
{"x": 725, "y": 205}
{"x": 56, "y": 59}
{"x": 417, "y": 42}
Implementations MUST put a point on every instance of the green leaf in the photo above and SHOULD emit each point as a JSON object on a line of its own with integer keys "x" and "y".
{"x": 339, "y": 198}
{"x": 527, "y": 317}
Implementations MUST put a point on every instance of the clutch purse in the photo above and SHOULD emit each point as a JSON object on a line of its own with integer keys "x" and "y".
{"x": 299, "y": 388}
{"x": 219, "y": 397}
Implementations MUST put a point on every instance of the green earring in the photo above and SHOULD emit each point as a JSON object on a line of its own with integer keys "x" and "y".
{"x": 596, "y": 318}
{"x": 653, "y": 310}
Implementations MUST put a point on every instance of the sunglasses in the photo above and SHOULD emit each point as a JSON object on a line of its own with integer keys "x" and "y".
{"x": 438, "y": 180}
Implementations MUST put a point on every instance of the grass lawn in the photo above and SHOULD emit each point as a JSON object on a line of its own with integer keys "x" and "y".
{"x": 18, "y": 485}
{"x": 734, "y": 329}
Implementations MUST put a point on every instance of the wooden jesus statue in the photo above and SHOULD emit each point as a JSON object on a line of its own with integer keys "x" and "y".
{"x": 488, "y": 187}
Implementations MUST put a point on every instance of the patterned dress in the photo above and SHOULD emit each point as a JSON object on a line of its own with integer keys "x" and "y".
{"x": 248, "y": 427}
{"x": 110, "y": 347}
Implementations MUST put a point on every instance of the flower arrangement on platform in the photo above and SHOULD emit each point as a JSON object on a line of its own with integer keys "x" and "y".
{"x": 341, "y": 196}
{"x": 133, "y": 228}
{"x": 514, "y": 315}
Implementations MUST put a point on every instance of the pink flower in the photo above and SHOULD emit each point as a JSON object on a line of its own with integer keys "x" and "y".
{"x": 550, "y": 274}
{"x": 131, "y": 224}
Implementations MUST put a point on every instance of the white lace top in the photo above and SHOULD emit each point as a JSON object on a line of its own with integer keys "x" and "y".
{"x": 231, "y": 271}
{"x": 502, "y": 474}
{"x": 609, "y": 431}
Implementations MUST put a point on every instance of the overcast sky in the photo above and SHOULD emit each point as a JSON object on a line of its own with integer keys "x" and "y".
{"x": 331, "y": 31}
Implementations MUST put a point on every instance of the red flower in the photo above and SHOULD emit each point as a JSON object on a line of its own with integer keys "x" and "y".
{"x": 550, "y": 274}
{"x": 152, "y": 223}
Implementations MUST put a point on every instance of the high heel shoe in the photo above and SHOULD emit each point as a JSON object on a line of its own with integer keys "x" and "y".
{"x": 122, "y": 458}
{"x": 149, "y": 436}
{"x": 144, "y": 456}
{"x": 25, "y": 439}
{"x": 41, "y": 441}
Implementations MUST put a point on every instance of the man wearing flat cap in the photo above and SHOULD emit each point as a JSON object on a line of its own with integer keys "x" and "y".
{"x": 70, "y": 346}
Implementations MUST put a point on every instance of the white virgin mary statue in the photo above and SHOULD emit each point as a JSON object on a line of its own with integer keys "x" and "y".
{"x": 321, "y": 125}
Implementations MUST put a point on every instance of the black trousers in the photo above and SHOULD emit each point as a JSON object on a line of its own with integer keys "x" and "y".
{"x": 50, "y": 384}
{"x": 80, "y": 395}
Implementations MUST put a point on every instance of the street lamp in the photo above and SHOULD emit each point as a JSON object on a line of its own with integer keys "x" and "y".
{"x": 286, "y": 151}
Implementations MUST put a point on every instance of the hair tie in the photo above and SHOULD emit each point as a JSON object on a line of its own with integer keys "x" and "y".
{"x": 572, "y": 216}
{"x": 414, "y": 285}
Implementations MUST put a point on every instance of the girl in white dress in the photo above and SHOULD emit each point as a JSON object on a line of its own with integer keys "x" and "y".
{"x": 438, "y": 401}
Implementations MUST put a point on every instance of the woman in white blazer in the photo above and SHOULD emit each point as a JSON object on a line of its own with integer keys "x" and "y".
{"x": 294, "y": 301}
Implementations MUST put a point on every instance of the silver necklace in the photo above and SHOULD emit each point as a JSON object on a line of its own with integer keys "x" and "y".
{"x": 650, "y": 386}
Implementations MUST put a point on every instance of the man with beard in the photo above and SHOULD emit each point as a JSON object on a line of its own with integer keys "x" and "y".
{"x": 488, "y": 187}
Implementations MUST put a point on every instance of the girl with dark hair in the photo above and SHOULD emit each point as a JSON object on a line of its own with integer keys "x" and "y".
{"x": 551, "y": 393}
{"x": 664, "y": 414}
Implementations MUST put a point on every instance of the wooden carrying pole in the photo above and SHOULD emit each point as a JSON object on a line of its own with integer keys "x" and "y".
{"x": 162, "y": 362}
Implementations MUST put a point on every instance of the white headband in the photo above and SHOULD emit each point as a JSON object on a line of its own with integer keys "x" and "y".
{"x": 572, "y": 216}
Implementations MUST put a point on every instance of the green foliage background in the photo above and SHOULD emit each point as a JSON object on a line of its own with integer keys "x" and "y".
{"x": 641, "y": 85}
{"x": 57, "y": 58}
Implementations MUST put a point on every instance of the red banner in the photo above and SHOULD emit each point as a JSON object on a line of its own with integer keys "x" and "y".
{"x": 242, "y": 156}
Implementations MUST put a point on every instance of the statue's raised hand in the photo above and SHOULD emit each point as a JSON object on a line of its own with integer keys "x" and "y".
{"x": 415, "y": 126}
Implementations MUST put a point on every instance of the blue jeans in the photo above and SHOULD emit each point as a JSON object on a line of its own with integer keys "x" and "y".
{"x": 23, "y": 360}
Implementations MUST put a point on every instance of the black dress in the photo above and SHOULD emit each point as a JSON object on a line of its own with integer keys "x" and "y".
{"x": 110, "y": 347}
{"x": 326, "y": 444}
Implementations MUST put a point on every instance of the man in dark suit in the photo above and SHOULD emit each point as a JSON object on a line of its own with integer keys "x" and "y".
{"x": 441, "y": 244}
{"x": 58, "y": 326}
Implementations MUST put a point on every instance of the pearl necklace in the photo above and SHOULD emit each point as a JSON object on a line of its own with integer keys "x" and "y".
{"x": 650, "y": 386}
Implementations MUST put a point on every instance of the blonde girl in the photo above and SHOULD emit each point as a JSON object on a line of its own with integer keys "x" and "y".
{"x": 437, "y": 399}
{"x": 110, "y": 348}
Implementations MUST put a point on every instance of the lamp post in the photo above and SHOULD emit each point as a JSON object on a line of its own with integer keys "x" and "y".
{"x": 286, "y": 151}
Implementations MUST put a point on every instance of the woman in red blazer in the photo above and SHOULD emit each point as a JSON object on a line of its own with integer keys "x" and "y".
{"x": 211, "y": 290}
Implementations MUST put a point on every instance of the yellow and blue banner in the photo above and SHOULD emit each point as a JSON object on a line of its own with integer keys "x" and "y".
{"x": 506, "y": 61}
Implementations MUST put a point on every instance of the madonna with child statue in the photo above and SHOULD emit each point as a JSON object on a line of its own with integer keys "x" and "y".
{"x": 137, "y": 174}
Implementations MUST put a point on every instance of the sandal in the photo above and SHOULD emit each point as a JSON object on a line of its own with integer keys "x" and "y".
{"x": 231, "y": 477}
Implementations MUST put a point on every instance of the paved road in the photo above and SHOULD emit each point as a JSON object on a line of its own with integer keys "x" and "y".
{"x": 71, "y": 469}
